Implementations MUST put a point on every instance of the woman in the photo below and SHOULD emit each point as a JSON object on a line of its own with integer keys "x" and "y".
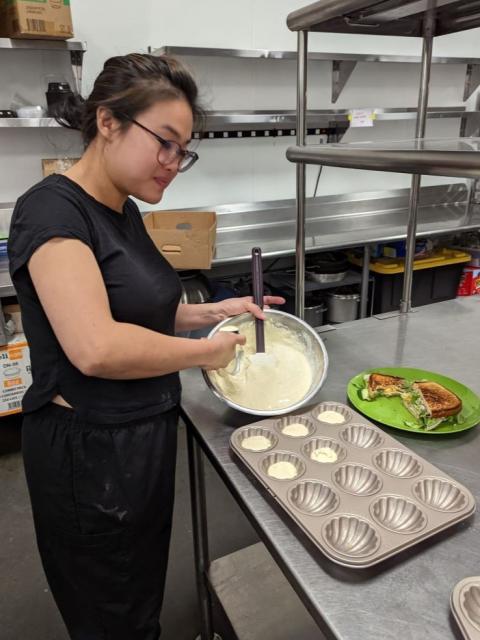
{"x": 100, "y": 308}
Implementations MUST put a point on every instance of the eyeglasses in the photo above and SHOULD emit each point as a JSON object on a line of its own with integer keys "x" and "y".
{"x": 170, "y": 150}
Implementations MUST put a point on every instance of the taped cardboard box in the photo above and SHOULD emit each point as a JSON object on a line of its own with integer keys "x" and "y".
{"x": 50, "y": 19}
{"x": 15, "y": 374}
{"x": 185, "y": 238}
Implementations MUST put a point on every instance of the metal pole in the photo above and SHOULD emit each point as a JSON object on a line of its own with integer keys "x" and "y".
{"x": 365, "y": 281}
{"x": 428, "y": 33}
{"x": 301, "y": 140}
{"x": 200, "y": 534}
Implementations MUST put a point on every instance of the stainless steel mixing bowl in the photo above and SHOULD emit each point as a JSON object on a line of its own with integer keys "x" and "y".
{"x": 307, "y": 337}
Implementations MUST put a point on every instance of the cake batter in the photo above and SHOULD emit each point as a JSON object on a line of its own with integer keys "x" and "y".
{"x": 324, "y": 454}
{"x": 282, "y": 470}
{"x": 332, "y": 417}
{"x": 296, "y": 430}
{"x": 256, "y": 443}
{"x": 230, "y": 328}
{"x": 280, "y": 381}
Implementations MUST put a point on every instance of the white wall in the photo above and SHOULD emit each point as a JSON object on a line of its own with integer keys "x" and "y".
{"x": 229, "y": 170}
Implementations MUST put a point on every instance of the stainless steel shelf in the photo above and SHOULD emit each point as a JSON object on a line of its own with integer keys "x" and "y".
{"x": 459, "y": 158}
{"x": 334, "y": 222}
{"x": 325, "y": 56}
{"x": 75, "y": 48}
{"x": 36, "y": 123}
{"x": 251, "y": 120}
{"x": 244, "y": 120}
{"x": 338, "y": 221}
{"x": 343, "y": 64}
{"x": 7, "y": 291}
{"x": 43, "y": 45}
{"x": 385, "y": 17}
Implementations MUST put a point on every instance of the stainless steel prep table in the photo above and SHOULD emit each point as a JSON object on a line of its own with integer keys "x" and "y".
{"x": 407, "y": 597}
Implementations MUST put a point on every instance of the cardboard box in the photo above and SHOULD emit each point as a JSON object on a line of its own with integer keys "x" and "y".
{"x": 13, "y": 314}
{"x": 15, "y": 374}
{"x": 49, "y": 19}
{"x": 57, "y": 165}
{"x": 185, "y": 238}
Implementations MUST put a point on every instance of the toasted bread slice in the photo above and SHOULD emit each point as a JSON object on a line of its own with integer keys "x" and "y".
{"x": 441, "y": 402}
{"x": 380, "y": 384}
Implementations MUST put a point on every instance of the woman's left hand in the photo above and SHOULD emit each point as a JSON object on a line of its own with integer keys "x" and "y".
{"x": 236, "y": 306}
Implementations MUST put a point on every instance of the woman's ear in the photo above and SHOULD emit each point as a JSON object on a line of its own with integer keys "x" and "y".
{"x": 107, "y": 124}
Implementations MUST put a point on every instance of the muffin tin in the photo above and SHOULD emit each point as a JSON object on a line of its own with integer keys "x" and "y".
{"x": 465, "y": 604}
{"x": 374, "y": 500}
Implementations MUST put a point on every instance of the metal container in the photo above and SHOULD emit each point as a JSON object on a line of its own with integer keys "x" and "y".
{"x": 314, "y": 313}
{"x": 323, "y": 278}
{"x": 196, "y": 287}
{"x": 57, "y": 95}
{"x": 307, "y": 337}
{"x": 465, "y": 605}
{"x": 368, "y": 500}
{"x": 328, "y": 267}
{"x": 342, "y": 307}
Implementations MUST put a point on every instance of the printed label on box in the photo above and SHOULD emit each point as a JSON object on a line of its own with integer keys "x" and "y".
{"x": 16, "y": 376}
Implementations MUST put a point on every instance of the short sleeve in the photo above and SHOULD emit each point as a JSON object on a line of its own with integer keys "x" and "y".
{"x": 41, "y": 215}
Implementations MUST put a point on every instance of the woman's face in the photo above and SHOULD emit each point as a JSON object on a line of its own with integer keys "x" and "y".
{"x": 132, "y": 155}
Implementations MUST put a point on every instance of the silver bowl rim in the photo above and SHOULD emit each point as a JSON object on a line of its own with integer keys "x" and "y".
{"x": 278, "y": 412}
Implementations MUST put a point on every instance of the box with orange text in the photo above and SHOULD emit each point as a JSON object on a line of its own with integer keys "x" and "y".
{"x": 15, "y": 374}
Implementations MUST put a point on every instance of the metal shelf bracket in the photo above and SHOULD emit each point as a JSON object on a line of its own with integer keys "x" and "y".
{"x": 341, "y": 72}
{"x": 76, "y": 59}
{"x": 472, "y": 80}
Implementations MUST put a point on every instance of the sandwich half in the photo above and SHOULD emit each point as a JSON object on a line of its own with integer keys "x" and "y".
{"x": 382, "y": 385}
{"x": 430, "y": 403}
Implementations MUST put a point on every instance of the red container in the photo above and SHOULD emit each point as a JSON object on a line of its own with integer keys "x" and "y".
{"x": 470, "y": 282}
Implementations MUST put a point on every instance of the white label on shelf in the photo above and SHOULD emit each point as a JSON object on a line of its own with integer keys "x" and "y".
{"x": 361, "y": 118}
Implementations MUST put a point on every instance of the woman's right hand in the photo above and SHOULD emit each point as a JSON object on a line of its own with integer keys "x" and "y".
{"x": 222, "y": 349}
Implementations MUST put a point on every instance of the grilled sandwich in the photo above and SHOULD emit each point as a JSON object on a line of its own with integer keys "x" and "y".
{"x": 429, "y": 402}
{"x": 379, "y": 384}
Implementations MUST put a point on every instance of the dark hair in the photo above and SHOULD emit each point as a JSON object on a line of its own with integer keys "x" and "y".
{"x": 128, "y": 85}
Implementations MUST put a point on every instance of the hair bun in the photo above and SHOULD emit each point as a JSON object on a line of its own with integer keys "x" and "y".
{"x": 70, "y": 113}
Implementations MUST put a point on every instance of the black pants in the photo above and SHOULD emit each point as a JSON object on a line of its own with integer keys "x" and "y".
{"x": 102, "y": 499}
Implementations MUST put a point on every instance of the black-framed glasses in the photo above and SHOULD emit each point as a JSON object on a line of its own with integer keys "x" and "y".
{"x": 169, "y": 149}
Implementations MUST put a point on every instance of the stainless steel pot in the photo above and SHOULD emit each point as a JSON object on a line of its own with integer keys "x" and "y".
{"x": 342, "y": 307}
{"x": 310, "y": 339}
{"x": 195, "y": 287}
{"x": 314, "y": 314}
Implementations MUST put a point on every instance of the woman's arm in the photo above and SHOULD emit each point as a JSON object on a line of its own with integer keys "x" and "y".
{"x": 71, "y": 290}
{"x": 196, "y": 316}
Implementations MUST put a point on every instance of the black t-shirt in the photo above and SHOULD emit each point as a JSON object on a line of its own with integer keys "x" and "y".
{"x": 142, "y": 287}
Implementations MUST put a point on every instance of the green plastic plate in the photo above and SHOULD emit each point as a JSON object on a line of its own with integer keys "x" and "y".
{"x": 391, "y": 412}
